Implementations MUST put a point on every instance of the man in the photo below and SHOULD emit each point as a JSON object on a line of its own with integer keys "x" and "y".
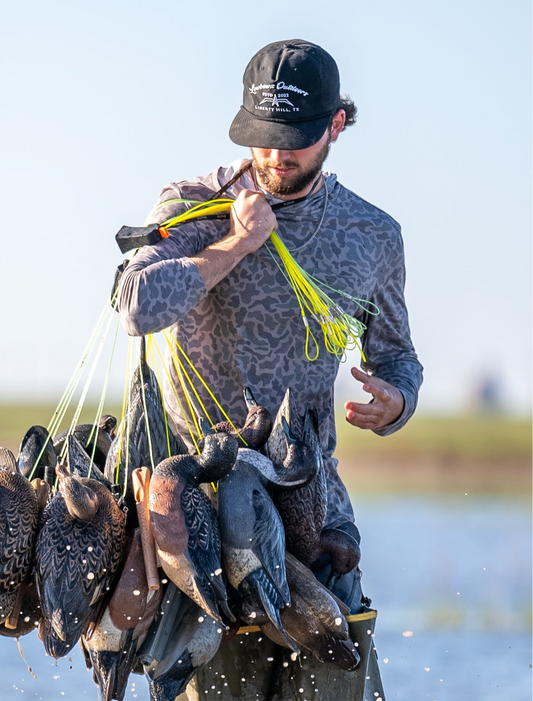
{"x": 219, "y": 286}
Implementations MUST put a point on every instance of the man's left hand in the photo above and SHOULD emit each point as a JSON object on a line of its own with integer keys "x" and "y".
{"x": 386, "y": 407}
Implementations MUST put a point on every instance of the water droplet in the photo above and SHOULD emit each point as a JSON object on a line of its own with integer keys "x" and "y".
{"x": 68, "y": 547}
{"x": 285, "y": 664}
{"x": 243, "y": 679}
{"x": 294, "y": 656}
{"x": 300, "y": 691}
{"x": 90, "y": 575}
{"x": 219, "y": 630}
{"x": 136, "y": 592}
{"x": 200, "y": 619}
{"x": 338, "y": 621}
{"x": 270, "y": 659}
{"x": 90, "y": 549}
{"x": 219, "y": 571}
{"x": 164, "y": 581}
{"x": 26, "y": 619}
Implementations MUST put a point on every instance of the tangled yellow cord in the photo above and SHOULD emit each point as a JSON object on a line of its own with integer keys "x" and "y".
{"x": 341, "y": 330}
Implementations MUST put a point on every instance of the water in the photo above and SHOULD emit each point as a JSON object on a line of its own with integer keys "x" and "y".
{"x": 451, "y": 579}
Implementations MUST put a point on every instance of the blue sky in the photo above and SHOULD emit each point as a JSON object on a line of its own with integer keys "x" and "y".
{"x": 105, "y": 102}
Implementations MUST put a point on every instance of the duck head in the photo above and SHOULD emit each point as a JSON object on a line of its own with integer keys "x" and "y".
{"x": 219, "y": 452}
{"x": 258, "y": 424}
{"x": 218, "y": 456}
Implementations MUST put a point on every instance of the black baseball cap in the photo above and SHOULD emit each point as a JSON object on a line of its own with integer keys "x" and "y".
{"x": 291, "y": 89}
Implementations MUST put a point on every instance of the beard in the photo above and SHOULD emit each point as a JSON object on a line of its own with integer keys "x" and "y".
{"x": 293, "y": 184}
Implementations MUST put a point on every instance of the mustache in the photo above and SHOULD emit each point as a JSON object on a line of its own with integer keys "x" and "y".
{"x": 272, "y": 164}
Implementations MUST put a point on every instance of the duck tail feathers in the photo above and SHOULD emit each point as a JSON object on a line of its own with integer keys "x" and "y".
{"x": 272, "y": 602}
{"x": 113, "y": 669}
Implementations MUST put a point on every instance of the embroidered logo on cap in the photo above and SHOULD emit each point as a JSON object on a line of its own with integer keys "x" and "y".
{"x": 275, "y": 101}
{"x": 279, "y": 86}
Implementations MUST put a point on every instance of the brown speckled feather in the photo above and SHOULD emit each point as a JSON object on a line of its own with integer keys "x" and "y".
{"x": 19, "y": 515}
{"x": 76, "y": 561}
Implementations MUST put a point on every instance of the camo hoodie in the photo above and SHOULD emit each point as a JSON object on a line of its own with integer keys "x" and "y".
{"x": 247, "y": 331}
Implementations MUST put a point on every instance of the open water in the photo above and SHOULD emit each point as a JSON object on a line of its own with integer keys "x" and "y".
{"x": 451, "y": 579}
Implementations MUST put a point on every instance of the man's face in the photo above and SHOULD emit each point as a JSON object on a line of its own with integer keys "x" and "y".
{"x": 290, "y": 173}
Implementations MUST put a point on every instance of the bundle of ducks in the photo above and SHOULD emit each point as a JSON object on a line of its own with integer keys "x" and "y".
{"x": 149, "y": 572}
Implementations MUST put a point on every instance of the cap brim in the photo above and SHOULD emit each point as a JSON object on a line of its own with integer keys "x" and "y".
{"x": 247, "y": 130}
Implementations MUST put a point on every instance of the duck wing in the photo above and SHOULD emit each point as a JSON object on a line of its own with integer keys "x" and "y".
{"x": 268, "y": 541}
{"x": 81, "y": 464}
{"x": 92, "y": 438}
{"x": 19, "y": 516}
{"x": 303, "y": 512}
{"x": 192, "y": 643}
{"x": 204, "y": 549}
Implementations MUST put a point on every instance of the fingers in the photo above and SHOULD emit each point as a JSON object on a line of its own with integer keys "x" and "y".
{"x": 360, "y": 420}
{"x": 372, "y": 385}
{"x": 252, "y": 219}
{"x": 387, "y": 403}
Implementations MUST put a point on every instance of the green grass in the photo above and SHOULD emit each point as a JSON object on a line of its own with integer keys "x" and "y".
{"x": 16, "y": 419}
{"x": 462, "y": 437}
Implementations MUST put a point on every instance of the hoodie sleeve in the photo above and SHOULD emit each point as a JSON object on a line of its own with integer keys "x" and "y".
{"x": 161, "y": 283}
{"x": 387, "y": 344}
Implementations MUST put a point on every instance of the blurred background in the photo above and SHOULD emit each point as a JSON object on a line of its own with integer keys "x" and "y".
{"x": 103, "y": 103}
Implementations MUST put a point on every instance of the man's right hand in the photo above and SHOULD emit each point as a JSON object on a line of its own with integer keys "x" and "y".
{"x": 252, "y": 220}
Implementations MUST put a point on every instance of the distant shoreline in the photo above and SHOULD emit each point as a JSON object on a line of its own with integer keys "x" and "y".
{"x": 436, "y": 475}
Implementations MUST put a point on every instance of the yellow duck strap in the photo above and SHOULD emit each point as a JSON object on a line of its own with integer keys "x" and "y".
{"x": 341, "y": 330}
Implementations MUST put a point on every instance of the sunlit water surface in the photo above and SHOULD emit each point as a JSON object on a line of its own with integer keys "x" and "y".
{"x": 451, "y": 579}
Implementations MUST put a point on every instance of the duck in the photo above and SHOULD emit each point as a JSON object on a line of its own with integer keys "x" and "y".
{"x": 113, "y": 643}
{"x": 289, "y": 450}
{"x": 28, "y": 609}
{"x": 37, "y": 457}
{"x": 303, "y": 510}
{"x": 77, "y": 554}
{"x": 257, "y": 425}
{"x": 19, "y": 519}
{"x": 95, "y": 439}
{"x": 26, "y": 612}
{"x": 79, "y": 463}
{"x": 187, "y": 640}
{"x": 185, "y": 524}
{"x": 144, "y": 437}
{"x": 253, "y": 541}
{"x": 315, "y": 621}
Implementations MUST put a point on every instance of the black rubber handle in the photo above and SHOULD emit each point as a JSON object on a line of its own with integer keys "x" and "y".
{"x": 130, "y": 237}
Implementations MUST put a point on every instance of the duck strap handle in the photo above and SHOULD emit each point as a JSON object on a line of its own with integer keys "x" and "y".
{"x": 141, "y": 484}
